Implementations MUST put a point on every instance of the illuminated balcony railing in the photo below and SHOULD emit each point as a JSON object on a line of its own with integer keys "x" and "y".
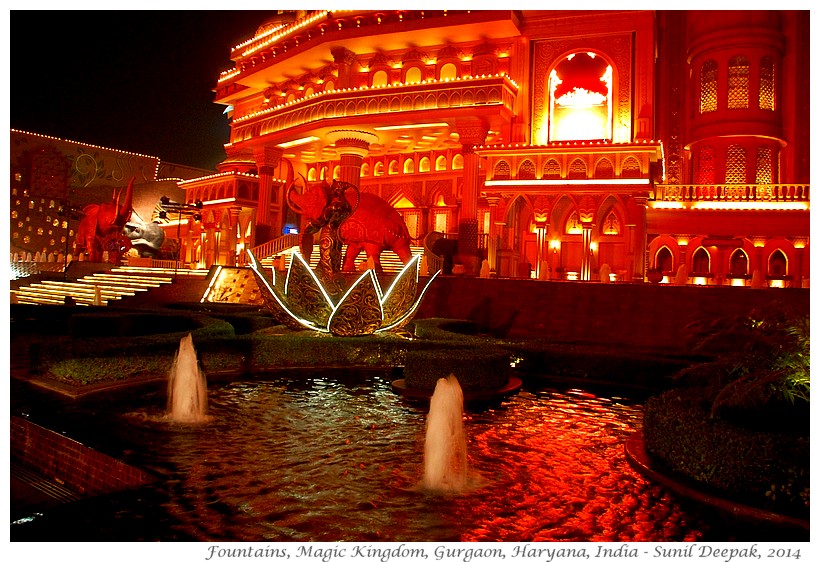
{"x": 483, "y": 91}
{"x": 735, "y": 193}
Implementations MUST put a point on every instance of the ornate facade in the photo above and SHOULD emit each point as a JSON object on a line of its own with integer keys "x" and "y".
{"x": 554, "y": 144}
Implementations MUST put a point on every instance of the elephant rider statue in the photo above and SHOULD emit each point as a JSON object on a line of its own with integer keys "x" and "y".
{"x": 344, "y": 215}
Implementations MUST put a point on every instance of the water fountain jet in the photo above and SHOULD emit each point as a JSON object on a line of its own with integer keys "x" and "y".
{"x": 187, "y": 388}
{"x": 445, "y": 445}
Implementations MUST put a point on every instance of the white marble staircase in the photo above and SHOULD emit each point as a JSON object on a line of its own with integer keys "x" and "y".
{"x": 99, "y": 288}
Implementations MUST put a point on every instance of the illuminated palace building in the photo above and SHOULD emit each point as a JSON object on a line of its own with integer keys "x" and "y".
{"x": 556, "y": 145}
{"x": 549, "y": 143}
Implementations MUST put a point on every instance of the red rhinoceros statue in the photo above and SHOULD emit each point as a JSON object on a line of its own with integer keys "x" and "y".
{"x": 373, "y": 226}
{"x": 101, "y": 229}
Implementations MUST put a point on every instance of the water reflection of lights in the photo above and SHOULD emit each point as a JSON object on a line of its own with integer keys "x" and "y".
{"x": 339, "y": 458}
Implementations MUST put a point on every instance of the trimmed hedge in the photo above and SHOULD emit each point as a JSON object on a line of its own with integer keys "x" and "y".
{"x": 767, "y": 470}
{"x": 84, "y": 357}
{"x": 475, "y": 368}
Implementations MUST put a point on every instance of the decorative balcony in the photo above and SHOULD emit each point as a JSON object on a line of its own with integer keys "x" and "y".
{"x": 732, "y": 196}
{"x": 596, "y": 165}
{"x": 497, "y": 93}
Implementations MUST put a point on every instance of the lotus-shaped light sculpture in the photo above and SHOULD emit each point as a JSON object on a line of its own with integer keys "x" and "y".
{"x": 301, "y": 301}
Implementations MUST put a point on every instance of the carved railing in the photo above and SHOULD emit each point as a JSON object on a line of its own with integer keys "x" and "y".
{"x": 444, "y": 95}
{"x": 734, "y": 192}
{"x": 270, "y": 247}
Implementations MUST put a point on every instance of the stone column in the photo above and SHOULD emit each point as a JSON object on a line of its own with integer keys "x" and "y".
{"x": 586, "y": 261}
{"x": 268, "y": 204}
{"x": 471, "y": 133}
{"x": 797, "y": 270}
{"x": 638, "y": 239}
{"x": 542, "y": 227}
{"x": 351, "y": 146}
{"x": 233, "y": 220}
{"x": 346, "y": 66}
{"x": 492, "y": 235}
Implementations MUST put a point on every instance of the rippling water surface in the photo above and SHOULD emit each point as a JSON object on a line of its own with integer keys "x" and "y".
{"x": 330, "y": 459}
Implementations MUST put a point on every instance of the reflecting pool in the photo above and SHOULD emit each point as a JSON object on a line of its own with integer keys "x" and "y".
{"x": 339, "y": 457}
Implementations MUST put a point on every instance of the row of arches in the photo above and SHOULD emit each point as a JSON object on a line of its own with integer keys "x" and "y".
{"x": 391, "y": 166}
{"x": 603, "y": 168}
{"x": 239, "y": 189}
{"x": 368, "y": 102}
{"x": 780, "y": 261}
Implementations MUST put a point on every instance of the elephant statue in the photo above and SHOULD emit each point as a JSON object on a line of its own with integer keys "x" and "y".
{"x": 100, "y": 230}
{"x": 364, "y": 221}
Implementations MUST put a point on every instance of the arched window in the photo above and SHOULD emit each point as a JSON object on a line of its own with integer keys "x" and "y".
{"x": 378, "y": 169}
{"x": 365, "y": 170}
{"x": 337, "y": 172}
{"x": 573, "y": 225}
{"x": 630, "y": 168}
{"x": 611, "y": 226}
{"x": 552, "y": 170}
{"x": 379, "y": 78}
{"x": 458, "y": 162}
{"x": 735, "y": 164}
{"x": 766, "y": 95}
{"x": 664, "y": 260}
{"x": 577, "y": 170}
{"x": 424, "y": 164}
{"x": 526, "y": 170}
{"x": 738, "y": 95}
{"x": 739, "y": 263}
{"x": 394, "y": 167}
{"x": 502, "y": 170}
{"x": 701, "y": 261}
{"x": 580, "y": 98}
{"x": 763, "y": 172}
{"x": 778, "y": 265}
{"x": 708, "y": 86}
{"x": 706, "y": 166}
{"x": 604, "y": 169}
{"x": 441, "y": 164}
{"x": 413, "y": 75}
{"x": 448, "y": 72}
{"x": 409, "y": 166}
{"x": 312, "y": 174}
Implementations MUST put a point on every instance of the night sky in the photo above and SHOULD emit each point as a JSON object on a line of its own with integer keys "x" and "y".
{"x": 139, "y": 81}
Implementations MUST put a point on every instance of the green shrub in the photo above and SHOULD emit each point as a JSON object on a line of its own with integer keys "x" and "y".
{"x": 475, "y": 368}
{"x": 765, "y": 469}
{"x": 761, "y": 361}
{"x": 82, "y": 371}
{"x": 445, "y": 329}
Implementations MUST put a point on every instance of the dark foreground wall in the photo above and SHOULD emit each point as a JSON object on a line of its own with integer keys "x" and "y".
{"x": 636, "y": 315}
